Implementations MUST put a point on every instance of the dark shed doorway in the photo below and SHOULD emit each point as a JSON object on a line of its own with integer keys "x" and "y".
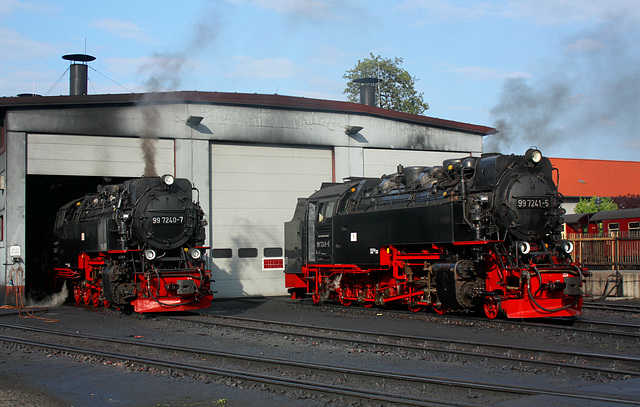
{"x": 45, "y": 194}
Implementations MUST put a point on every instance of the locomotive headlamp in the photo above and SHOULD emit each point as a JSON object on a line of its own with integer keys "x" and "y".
{"x": 150, "y": 254}
{"x": 524, "y": 247}
{"x": 533, "y": 155}
{"x": 195, "y": 253}
{"x": 168, "y": 179}
{"x": 567, "y": 246}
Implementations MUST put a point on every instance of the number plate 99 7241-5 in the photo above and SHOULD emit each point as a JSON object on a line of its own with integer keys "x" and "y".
{"x": 525, "y": 203}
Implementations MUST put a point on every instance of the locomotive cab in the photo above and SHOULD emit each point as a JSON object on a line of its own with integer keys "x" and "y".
{"x": 309, "y": 235}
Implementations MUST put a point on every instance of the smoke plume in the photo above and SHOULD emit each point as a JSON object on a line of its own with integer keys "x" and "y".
{"x": 164, "y": 72}
{"x": 586, "y": 106}
{"x": 53, "y": 300}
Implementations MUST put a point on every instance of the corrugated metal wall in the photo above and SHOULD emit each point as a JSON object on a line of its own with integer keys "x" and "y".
{"x": 254, "y": 191}
{"x": 55, "y": 154}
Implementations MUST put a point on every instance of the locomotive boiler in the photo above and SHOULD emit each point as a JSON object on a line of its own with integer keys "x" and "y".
{"x": 139, "y": 243}
{"x": 477, "y": 232}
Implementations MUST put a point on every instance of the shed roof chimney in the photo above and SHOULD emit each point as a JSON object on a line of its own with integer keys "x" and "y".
{"x": 367, "y": 90}
{"x": 78, "y": 72}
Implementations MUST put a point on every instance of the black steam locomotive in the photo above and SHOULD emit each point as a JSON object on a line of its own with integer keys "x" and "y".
{"x": 474, "y": 232}
{"x": 139, "y": 243}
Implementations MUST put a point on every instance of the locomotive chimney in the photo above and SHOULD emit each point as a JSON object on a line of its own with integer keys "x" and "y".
{"x": 367, "y": 90}
{"x": 78, "y": 73}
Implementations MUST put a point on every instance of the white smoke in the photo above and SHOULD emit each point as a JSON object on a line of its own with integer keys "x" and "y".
{"x": 53, "y": 300}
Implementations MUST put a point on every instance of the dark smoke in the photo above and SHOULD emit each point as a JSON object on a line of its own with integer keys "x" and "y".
{"x": 529, "y": 116}
{"x": 148, "y": 140}
{"x": 587, "y": 105}
{"x": 165, "y": 72}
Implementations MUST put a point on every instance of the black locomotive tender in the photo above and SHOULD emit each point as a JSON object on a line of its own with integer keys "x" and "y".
{"x": 473, "y": 232}
{"x": 138, "y": 243}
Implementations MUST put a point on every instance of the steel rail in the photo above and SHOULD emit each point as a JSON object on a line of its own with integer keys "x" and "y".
{"x": 419, "y": 343}
{"x": 557, "y": 323}
{"x": 612, "y": 307}
{"x": 368, "y": 394}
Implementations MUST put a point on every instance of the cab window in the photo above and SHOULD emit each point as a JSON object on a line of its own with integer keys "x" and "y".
{"x": 326, "y": 211}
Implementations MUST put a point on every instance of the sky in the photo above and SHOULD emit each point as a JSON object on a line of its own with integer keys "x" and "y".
{"x": 563, "y": 75}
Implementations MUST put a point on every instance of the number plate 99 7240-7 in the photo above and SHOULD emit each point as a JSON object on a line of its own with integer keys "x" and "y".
{"x": 167, "y": 220}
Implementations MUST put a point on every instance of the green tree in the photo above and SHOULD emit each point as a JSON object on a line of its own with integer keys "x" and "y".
{"x": 396, "y": 89}
{"x": 627, "y": 202}
{"x": 595, "y": 204}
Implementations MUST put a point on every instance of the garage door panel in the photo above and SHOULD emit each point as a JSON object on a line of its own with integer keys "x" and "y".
{"x": 56, "y": 154}
{"x": 270, "y": 166}
{"x": 270, "y": 182}
{"x": 250, "y": 199}
{"x": 247, "y": 150}
{"x": 254, "y": 191}
{"x": 247, "y": 285}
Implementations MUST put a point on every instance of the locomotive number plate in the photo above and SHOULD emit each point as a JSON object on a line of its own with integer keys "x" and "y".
{"x": 167, "y": 220}
{"x": 525, "y": 203}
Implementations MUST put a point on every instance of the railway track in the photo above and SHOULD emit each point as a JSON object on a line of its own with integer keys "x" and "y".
{"x": 609, "y": 306}
{"x": 583, "y": 362}
{"x": 592, "y": 327}
{"x": 340, "y": 382}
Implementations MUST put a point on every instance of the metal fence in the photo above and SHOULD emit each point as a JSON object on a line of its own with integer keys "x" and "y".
{"x": 597, "y": 252}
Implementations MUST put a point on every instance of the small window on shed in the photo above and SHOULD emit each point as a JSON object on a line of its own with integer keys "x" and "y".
{"x": 221, "y": 253}
{"x": 614, "y": 229}
{"x": 246, "y": 252}
{"x": 272, "y": 252}
{"x": 634, "y": 229}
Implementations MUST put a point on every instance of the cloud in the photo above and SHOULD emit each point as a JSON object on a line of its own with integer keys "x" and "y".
{"x": 331, "y": 10}
{"x": 584, "y": 45}
{"x": 447, "y": 11}
{"x": 328, "y": 55}
{"x": 267, "y": 68}
{"x": 21, "y": 48}
{"x": 479, "y": 73}
{"x": 545, "y": 12}
{"x": 120, "y": 28}
{"x": 10, "y": 6}
{"x": 555, "y": 12}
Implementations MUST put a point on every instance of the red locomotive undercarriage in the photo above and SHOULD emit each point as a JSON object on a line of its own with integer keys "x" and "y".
{"x": 518, "y": 290}
{"x": 154, "y": 291}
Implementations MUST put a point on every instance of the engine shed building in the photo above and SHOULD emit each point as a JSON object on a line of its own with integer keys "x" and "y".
{"x": 250, "y": 156}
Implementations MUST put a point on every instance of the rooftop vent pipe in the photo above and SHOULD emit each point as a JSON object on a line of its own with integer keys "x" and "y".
{"x": 367, "y": 90}
{"x": 78, "y": 73}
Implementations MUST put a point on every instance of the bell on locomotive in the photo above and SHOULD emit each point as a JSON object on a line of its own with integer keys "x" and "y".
{"x": 139, "y": 243}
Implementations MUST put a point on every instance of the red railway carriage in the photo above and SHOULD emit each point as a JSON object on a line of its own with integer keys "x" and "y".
{"x": 472, "y": 233}
{"x": 606, "y": 239}
{"x": 139, "y": 243}
{"x": 620, "y": 222}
